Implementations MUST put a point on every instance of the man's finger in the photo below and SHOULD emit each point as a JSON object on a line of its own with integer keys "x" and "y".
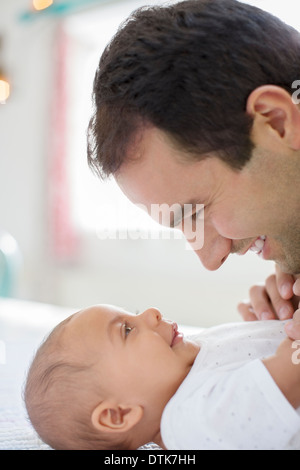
{"x": 261, "y": 304}
{"x": 296, "y": 287}
{"x": 292, "y": 328}
{"x": 283, "y": 308}
{"x": 285, "y": 283}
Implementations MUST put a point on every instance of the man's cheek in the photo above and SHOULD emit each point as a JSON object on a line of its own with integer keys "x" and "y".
{"x": 232, "y": 226}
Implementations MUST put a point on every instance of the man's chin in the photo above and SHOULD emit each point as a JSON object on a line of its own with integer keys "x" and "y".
{"x": 287, "y": 267}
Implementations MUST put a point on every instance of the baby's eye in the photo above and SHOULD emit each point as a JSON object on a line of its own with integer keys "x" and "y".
{"x": 127, "y": 329}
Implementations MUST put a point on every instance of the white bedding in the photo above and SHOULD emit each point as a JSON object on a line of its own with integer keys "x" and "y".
{"x": 23, "y": 326}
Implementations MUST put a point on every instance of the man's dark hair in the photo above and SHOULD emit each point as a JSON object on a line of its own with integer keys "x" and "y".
{"x": 188, "y": 69}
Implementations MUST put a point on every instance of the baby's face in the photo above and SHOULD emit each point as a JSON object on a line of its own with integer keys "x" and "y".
{"x": 138, "y": 358}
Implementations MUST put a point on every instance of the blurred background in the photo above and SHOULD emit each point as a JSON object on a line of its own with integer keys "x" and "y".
{"x": 52, "y": 206}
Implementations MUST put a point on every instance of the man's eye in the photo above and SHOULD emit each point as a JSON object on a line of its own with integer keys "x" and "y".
{"x": 196, "y": 214}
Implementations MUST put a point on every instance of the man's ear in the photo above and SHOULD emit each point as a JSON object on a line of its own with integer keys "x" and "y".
{"x": 276, "y": 118}
{"x": 110, "y": 417}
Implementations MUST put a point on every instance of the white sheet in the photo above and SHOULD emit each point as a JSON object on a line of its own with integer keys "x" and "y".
{"x": 22, "y": 327}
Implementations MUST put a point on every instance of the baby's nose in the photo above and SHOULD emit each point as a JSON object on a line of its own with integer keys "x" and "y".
{"x": 152, "y": 316}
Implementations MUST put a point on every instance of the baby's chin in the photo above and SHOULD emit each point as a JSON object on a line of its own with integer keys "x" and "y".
{"x": 192, "y": 346}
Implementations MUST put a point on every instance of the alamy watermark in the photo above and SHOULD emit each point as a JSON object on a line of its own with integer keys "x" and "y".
{"x": 186, "y": 218}
{"x": 296, "y": 354}
{"x": 296, "y": 94}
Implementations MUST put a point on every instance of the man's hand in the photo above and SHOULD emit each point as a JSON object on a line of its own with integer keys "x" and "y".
{"x": 277, "y": 299}
{"x": 292, "y": 328}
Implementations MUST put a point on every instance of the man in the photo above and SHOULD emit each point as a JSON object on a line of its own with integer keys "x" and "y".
{"x": 194, "y": 105}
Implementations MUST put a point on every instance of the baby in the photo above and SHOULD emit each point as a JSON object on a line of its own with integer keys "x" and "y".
{"x": 107, "y": 379}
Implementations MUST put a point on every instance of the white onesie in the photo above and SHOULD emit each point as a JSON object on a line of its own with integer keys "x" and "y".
{"x": 229, "y": 400}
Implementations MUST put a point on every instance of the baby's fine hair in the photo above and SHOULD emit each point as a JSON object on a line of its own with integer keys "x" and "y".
{"x": 60, "y": 394}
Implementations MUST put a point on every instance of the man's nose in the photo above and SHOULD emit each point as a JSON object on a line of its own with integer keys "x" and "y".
{"x": 215, "y": 250}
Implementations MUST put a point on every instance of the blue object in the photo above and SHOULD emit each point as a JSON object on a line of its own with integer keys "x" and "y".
{"x": 10, "y": 262}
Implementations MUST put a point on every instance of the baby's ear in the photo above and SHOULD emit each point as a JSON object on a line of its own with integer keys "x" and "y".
{"x": 110, "y": 417}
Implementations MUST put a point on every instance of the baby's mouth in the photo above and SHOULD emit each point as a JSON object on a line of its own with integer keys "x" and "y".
{"x": 177, "y": 336}
{"x": 258, "y": 246}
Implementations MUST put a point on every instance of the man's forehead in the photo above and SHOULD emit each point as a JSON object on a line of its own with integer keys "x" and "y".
{"x": 164, "y": 183}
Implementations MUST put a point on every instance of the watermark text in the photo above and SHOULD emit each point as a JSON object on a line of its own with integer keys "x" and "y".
{"x": 296, "y": 354}
{"x": 296, "y": 94}
{"x": 186, "y": 219}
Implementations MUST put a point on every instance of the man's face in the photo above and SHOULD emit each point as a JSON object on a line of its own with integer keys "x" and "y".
{"x": 253, "y": 207}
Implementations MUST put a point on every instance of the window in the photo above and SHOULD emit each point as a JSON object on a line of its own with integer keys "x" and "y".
{"x": 100, "y": 206}
{"x": 96, "y": 206}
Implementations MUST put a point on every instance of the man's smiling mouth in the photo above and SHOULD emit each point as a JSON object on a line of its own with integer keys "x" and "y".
{"x": 258, "y": 245}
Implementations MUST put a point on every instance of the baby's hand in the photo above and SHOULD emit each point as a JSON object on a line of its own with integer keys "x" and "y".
{"x": 284, "y": 367}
